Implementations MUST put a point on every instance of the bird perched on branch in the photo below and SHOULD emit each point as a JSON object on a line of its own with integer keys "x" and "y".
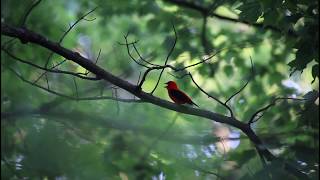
{"x": 177, "y": 95}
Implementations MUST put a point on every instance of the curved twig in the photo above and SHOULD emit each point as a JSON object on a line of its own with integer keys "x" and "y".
{"x": 49, "y": 70}
{"x": 62, "y": 38}
{"x": 169, "y": 54}
{"x": 25, "y": 17}
{"x": 253, "y": 118}
{"x": 209, "y": 95}
{"x": 129, "y": 53}
{"x": 250, "y": 78}
{"x": 75, "y": 98}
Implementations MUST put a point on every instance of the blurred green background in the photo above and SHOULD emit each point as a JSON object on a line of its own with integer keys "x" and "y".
{"x": 44, "y": 136}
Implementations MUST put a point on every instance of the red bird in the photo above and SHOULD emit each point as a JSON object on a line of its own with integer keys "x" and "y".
{"x": 177, "y": 95}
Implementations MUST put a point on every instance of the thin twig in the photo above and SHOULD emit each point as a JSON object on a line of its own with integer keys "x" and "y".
{"x": 46, "y": 69}
{"x": 25, "y": 17}
{"x": 209, "y": 95}
{"x": 74, "y": 24}
{"x": 249, "y": 79}
{"x": 253, "y": 118}
{"x": 8, "y": 43}
{"x": 129, "y": 53}
{"x": 87, "y": 72}
{"x": 47, "y": 81}
{"x": 139, "y": 78}
{"x": 168, "y": 56}
{"x": 71, "y": 97}
{"x": 179, "y": 77}
{"x": 65, "y": 34}
{"x": 144, "y": 60}
{"x": 54, "y": 66}
{"x": 76, "y": 87}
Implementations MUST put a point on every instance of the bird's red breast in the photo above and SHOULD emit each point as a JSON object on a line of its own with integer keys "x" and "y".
{"x": 177, "y": 95}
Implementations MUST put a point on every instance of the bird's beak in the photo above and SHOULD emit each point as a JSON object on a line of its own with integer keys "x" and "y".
{"x": 167, "y": 84}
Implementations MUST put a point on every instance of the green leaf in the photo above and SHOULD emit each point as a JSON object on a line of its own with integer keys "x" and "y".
{"x": 271, "y": 17}
{"x": 315, "y": 72}
{"x": 304, "y": 55}
{"x": 250, "y": 11}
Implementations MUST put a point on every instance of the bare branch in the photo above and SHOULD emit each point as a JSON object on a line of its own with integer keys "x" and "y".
{"x": 71, "y": 97}
{"x": 179, "y": 77}
{"x": 210, "y": 96}
{"x": 87, "y": 72}
{"x": 75, "y": 23}
{"x": 139, "y": 78}
{"x": 253, "y": 118}
{"x": 129, "y": 53}
{"x": 8, "y": 43}
{"x": 54, "y": 66}
{"x": 76, "y": 87}
{"x": 144, "y": 60}
{"x": 47, "y": 81}
{"x": 86, "y": 19}
{"x": 25, "y": 17}
{"x": 204, "y": 60}
{"x": 249, "y": 79}
{"x": 48, "y": 70}
{"x": 168, "y": 56}
{"x": 64, "y": 35}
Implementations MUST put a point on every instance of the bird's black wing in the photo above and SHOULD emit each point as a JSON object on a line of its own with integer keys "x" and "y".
{"x": 178, "y": 95}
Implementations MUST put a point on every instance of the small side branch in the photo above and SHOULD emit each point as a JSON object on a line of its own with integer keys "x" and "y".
{"x": 129, "y": 53}
{"x": 141, "y": 58}
{"x": 48, "y": 70}
{"x": 259, "y": 113}
{"x": 210, "y": 96}
{"x": 250, "y": 78}
{"x": 64, "y": 35}
{"x": 75, "y": 23}
{"x": 71, "y": 97}
{"x": 28, "y": 12}
{"x": 168, "y": 56}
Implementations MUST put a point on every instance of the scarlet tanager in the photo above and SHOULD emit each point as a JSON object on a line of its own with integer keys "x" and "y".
{"x": 177, "y": 95}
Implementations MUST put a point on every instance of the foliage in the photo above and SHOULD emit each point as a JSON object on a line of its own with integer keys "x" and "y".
{"x": 46, "y": 136}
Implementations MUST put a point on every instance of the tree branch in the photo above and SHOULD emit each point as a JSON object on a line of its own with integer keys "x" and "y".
{"x": 32, "y": 37}
{"x": 253, "y": 118}
{"x": 168, "y": 56}
{"x": 250, "y": 78}
{"x": 71, "y": 97}
{"x": 62, "y": 38}
{"x": 48, "y": 70}
{"x": 209, "y": 95}
{"x": 25, "y": 17}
